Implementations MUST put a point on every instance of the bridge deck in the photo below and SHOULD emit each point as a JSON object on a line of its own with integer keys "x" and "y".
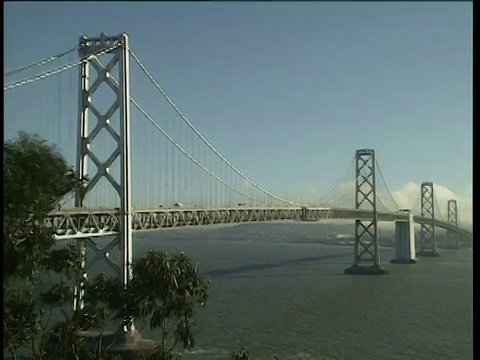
{"x": 75, "y": 223}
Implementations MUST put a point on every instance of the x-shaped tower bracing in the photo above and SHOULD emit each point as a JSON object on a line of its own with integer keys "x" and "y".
{"x": 86, "y": 136}
{"x": 452, "y": 217}
{"x": 428, "y": 245}
{"x": 366, "y": 259}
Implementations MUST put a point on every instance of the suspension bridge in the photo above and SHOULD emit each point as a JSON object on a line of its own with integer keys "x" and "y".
{"x": 150, "y": 167}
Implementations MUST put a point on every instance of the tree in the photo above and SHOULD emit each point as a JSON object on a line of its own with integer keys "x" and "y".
{"x": 165, "y": 290}
{"x": 36, "y": 178}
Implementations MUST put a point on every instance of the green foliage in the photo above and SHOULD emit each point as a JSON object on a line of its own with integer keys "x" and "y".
{"x": 66, "y": 261}
{"x": 20, "y": 318}
{"x": 61, "y": 341}
{"x": 35, "y": 175}
{"x": 35, "y": 179}
{"x": 165, "y": 289}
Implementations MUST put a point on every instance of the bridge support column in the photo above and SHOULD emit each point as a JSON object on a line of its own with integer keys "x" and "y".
{"x": 404, "y": 241}
{"x": 366, "y": 259}
{"x": 452, "y": 217}
{"x": 428, "y": 242}
{"x": 304, "y": 213}
{"x": 116, "y": 169}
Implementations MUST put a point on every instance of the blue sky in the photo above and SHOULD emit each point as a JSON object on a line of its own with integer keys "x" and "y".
{"x": 287, "y": 91}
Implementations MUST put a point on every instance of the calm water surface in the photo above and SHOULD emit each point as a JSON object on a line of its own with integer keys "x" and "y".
{"x": 276, "y": 292}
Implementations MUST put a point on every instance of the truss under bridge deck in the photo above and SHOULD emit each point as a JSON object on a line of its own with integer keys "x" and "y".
{"x": 78, "y": 223}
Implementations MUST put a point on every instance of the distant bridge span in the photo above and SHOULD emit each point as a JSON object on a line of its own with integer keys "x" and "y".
{"x": 80, "y": 223}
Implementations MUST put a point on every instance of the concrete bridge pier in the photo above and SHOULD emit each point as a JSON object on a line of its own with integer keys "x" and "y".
{"x": 404, "y": 241}
{"x": 304, "y": 213}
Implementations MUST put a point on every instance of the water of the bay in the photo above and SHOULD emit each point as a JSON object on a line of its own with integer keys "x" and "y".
{"x": 278, "y": 291}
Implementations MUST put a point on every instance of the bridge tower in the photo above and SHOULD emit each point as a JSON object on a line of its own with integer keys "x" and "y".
{"x": 428, "y": 244}
{"x": 452, "y": 217}
{"x": 116, "y": 75}
{"x": 366, "y": 259}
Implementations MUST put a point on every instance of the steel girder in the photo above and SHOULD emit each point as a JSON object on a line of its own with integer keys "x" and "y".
{"x": 81, "y": 223}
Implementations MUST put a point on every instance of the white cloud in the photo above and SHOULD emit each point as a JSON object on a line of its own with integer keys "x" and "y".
{"x": 409, "y": 198}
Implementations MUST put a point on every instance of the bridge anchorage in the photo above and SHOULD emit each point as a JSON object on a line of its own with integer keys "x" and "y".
{"x": 428, "y": 243}
{"x": 116, "y": 121}
{"x": 366, "y": 257}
